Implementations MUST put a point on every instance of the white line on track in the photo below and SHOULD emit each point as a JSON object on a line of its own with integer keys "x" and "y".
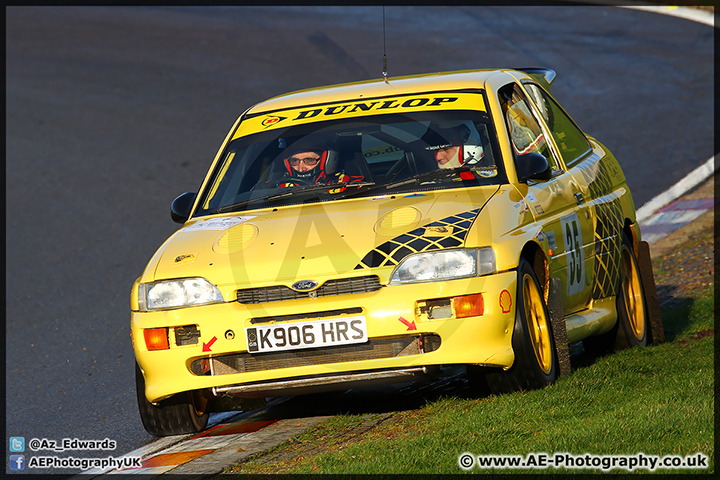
{"x": 691, "y": 180}
{"x": 694, "y": 14}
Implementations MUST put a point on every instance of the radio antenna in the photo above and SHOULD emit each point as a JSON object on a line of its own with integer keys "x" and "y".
{"x": 385, "y": 73}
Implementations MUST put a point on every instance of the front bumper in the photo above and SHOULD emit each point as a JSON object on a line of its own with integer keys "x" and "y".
{"x": 402, "y": 337}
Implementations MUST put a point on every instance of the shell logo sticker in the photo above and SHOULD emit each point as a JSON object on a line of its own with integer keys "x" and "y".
{"x": 505, "y": 301}
{"x": 270, "y": 121}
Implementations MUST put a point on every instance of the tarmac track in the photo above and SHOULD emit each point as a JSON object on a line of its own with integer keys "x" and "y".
{"x": 113, "y": 111}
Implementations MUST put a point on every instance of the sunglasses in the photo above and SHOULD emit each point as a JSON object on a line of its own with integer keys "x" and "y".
{"x": 309, "y": 161}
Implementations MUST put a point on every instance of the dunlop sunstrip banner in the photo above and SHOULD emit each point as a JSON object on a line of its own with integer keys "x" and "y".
{"x": 362, "y": 108}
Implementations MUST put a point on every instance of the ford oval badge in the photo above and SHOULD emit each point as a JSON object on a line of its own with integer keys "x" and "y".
{"x": 305, "y": 285}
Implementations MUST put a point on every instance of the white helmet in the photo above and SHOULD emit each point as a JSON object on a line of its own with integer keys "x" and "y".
{"x": 455, "y": 134}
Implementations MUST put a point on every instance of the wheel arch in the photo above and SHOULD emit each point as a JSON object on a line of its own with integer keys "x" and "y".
{"x": 536, "y": 361}
{"x": 533, "y": 253}
{"x": 632, "y": 230}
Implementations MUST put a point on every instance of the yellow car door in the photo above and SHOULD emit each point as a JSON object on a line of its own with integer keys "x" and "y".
{"x": 597, "y": 189}
{"x": 556, "y": 204}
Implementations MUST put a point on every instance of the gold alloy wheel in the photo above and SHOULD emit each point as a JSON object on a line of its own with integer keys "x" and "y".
{"x": 537, "y": 324}
{"x": 632, "y": 294}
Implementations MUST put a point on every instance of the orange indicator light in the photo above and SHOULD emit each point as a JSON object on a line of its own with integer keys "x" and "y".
{"x": 156, "y": 338}
{"x": 469, "y": 305}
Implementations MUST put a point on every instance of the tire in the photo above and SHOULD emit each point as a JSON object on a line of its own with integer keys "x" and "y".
{"x": 185, "y": 412}
{"x": 633, "y": 325}
{"x": 536, "y": 363}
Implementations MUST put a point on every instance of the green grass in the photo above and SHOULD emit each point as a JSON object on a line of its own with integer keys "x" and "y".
{"x": 656, "y": 400}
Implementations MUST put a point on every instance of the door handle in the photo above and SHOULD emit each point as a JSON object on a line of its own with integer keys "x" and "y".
{"x": 579, "y": 198}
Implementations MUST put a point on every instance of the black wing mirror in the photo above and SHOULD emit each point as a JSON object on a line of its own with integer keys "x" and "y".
{"x": 532, "y": 166}
{"x": 180, "y": 207}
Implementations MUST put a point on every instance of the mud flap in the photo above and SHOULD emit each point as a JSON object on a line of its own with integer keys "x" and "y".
{"x": 657, "y": 334}
{"x": 557, "y": 320}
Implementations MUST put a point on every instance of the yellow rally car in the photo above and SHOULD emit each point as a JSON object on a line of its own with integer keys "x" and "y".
{"x": 377, "y": 231}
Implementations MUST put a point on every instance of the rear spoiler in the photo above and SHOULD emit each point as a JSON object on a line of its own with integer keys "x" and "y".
{"x": 544, "y": 76}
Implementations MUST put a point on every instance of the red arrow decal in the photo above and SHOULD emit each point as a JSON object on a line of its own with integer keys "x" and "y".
{"x": 410, "y": 325}
{"x": 206, "y": 346}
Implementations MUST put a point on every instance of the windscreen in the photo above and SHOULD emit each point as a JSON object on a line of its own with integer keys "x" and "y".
{"x": 353, "y": 156}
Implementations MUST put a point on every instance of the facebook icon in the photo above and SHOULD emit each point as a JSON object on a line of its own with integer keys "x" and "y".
{"x": 17, "y": 462}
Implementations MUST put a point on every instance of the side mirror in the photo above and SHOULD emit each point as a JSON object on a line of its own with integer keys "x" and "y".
{"x": 532, "y": 166}
{"x": 180, "y": 207}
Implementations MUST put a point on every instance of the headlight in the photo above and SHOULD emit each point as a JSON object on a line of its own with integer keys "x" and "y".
{"x": 444, "y": 265}
{"x": 177, "y": 293}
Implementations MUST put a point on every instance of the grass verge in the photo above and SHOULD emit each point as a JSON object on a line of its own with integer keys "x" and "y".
{"x": 656, "y": 400}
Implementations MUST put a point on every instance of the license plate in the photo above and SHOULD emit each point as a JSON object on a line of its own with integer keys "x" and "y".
{"x": 316, "y": 333}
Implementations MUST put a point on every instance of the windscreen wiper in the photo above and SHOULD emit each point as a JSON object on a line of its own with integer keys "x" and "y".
{"x": 427, "y": 176}
{"x": 328, "y": 187}
{"x": 288, "y": 192}
{"x": 270, "y": 197}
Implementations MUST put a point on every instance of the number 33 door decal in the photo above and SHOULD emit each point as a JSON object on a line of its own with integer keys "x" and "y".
{"x": 572, "y": 234}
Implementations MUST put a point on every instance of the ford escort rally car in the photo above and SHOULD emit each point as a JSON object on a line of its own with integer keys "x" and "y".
{"x": 376, "y": 231}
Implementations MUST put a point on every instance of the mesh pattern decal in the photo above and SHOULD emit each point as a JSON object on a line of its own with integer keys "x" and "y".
{"x": 448, "y": 232}
{"x": 608, "y": 228}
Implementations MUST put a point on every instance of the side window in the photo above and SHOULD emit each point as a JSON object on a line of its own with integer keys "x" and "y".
{"x": 525, "y": 133}
{"x": 570, "y": 140}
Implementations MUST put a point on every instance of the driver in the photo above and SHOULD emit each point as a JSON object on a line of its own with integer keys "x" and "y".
{"x": 307, "y": 167}
{"x": 313, "y": 166}
{"x": 454, "y": 147}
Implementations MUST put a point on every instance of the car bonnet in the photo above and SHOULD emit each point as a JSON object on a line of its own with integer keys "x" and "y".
{"x": 318, "y": 240}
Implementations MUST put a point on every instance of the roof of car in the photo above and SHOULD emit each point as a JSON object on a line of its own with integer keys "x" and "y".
{"x": 393, "y": 86}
